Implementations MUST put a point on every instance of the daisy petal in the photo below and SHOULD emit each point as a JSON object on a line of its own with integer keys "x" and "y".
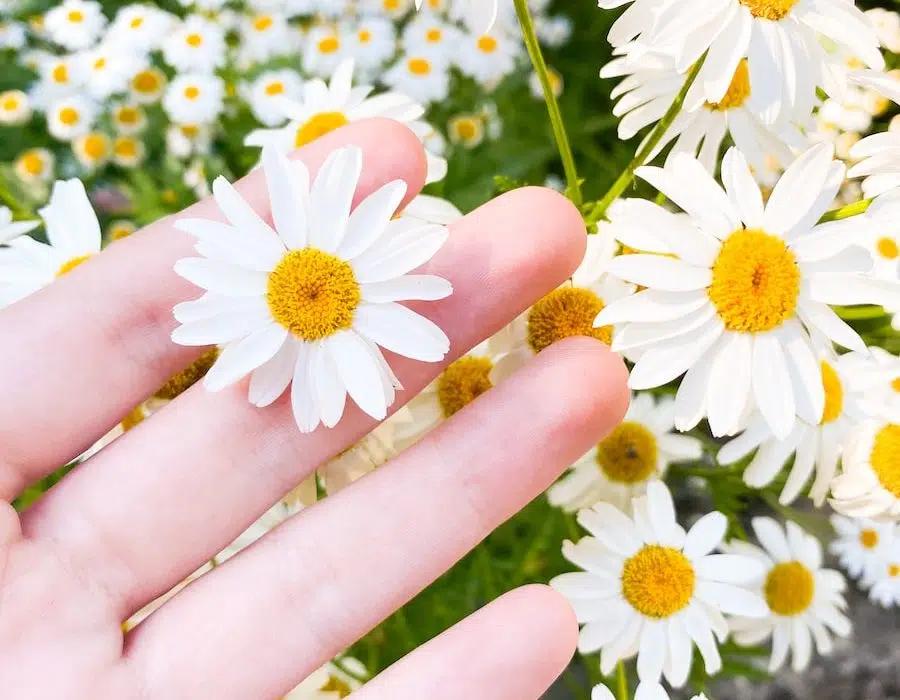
{"x": 359, "y": 372}
{"x": 407, "y": 288}
{"x": 241, "y": 358}
{"x": 402, "y": 331}
{"x": 270, "y": 380}
{"x": 705, "y": 535}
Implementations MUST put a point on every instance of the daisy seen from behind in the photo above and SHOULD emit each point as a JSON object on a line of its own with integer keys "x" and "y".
{"x": 310, "y": 302}
{"x": 635, "y": 453}
{"x": 805, "y": 601}
{"x": 869, "y": 483}
{"x": 862, "y": 546}
{"x": 653, "y": 590}
{"x": 735, "y": 308}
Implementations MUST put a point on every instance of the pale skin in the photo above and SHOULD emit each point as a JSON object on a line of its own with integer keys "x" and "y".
{"x": 148, "y": 510}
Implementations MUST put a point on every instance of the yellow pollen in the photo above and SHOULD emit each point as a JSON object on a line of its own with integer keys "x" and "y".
{"x": 32, "y": 163}
{"x": 190, "y": 130}
{"x": 192, "y": 92}
{"x": 756, "y": 282}
{"x": 738, "y": 92}
{"x": 128, "y": 115}
{"x": 95, "y": 146}
{"x": 262, "y": 23}
{"x": 133, "y": 419}
{"x": 895, "y": 385}
{"x": 194, "y": 40}
{"x": 566, "y": 312}
{"x": 789, "y": 588}
{"x": 11, "y": 103}
{"x": 364, "y": 36}
{"x": 419, "y": 66}
{"x": 487, "y": 44}
{"x": 68, "y": 116}
{"x": 894, "y": 570}
{"x": 336, "y": 685}
{"x": 769, "y": 9}
{"x": 628, "y": 455}
{"x": 76, "y": 16}
{"x": 136, "y": 22}
{"x": 887, "y": 248}
{"x": 100, "y": 64}
{"x": 391, "y": 4}
{"x": 463, "y": 382}
{"x": 67, "y": 267}
{"x": 125, "y": 147}
{"x": 868, "y": 538}
{"x": 834, "y": 394}
{"x": 885, "y": 458}
{"x": 60, "y": 73}
{"x": 658, "y": 581}
{"x": 319, "y": 125}
{"x": 185, "y": 379}
{"x": 275, "y": 88}
{"x": 330, "y": 44}
{"x": 146, "y": 82}
{"x": 433, "y": 36}
{"x": 466, "y": 128}
{"x": 313, "y": 294}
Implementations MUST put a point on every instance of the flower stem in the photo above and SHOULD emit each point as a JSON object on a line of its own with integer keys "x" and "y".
{"x": 846, "y": 212}
{"x": 556, "y": 120}
{"x": 627, "y": 176}
{"x": 622, "y": 683}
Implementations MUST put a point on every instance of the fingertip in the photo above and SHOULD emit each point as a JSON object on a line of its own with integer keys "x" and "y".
{"x": 552, "y": 618}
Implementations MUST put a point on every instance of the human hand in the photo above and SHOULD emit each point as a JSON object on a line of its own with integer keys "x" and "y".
{"x": 145, "y": 512}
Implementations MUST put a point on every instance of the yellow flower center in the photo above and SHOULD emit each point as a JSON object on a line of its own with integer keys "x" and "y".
{"x": 192, "y": 92}
{"x": 146, "y": 82}
{"x": 756, "y": 282}
{"x": 658, "y": 581}
{"x": 887, "y": 248}
{"x": 336, "y": 685}
{"x": 466, "y": 128}
{"x": 125, "y": 147}
{"x": 789, "y": 588}
{"x": 11, "y": 103}
{"x": 276, "y": 87}
{"x": 100, "y": 64}
{"x": 433, "y": 35}
{"x": 628, "y": 455}
{"x": 738, "y": 92}
{"x": 128, "y": 116}
{"x": 364, "y": 36}
{"x": 463, "y": 382}
{"x": 895, "y": 385}
{"x": 194, "y": 40}
{"x": 133, "y": 419}
{"x": 563, "y": 313}
{"x": 885, "y": 458}
{"x": 60, "y": 73}
{"x": 894, "y": 570}
{"x": 391, "y": 5}
{"x": 76, "y": 16}
{"x": 769, "y": 9}
{"x": 95, "y": 146}
{"x": 330, "y": 44}
{"x": 313, "y": 294}
{"x": 262, "y": 23}
{"x": 185, "y": 379}
{"x": 68, "y": 116}
{"x": 487, "y": 44}
{"x": 419, "y": 66}
{"x": 190, "y": 130}
{"x": 70, "y": 265}
{"x": 868, "y": 538}
{"x": 319, "y": 125}
{"x": 136, "y": 22}
{"x": 32, "y": 163}
{"x": 834, "y": 394}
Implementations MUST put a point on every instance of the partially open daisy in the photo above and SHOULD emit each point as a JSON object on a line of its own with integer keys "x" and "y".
{"x": 35, "y": 165}
{"x": 805, "y": 601}
{"x": 869, "y": 483}
{"x": 815, "y": 447}
{"x": 324, "y": 108}
{"x": 736, "y": 307}
{"x": 74, "y": 235}
{"x": 308, "y": 302}
{"x": 10, "y": 229}
{"x": 861, "y": 546}
{"x": 653, "y": 590}
{"x": 622, "y": 464}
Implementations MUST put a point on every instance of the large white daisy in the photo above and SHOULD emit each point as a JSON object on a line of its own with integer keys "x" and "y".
{"x": 815, "y": 448}
{"x": 309, "y": 301}
{"x": 621, "y": 465}
{"x": 805, "y": 601}
{"x": 653, "y": 590}
{"x": 750, "y": 282}
{"x": 869, "y": 483}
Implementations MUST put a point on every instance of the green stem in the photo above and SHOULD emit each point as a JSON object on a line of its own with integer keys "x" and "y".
{"x": 556, "y": 120}
{"x": 847, "y": 211}
{"x": 627, "y": 176}
{"x": 20, "y": 212}
{"x": 622, "y": 682}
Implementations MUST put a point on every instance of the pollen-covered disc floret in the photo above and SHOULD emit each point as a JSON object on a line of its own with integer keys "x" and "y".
{"x": 805, "y": 601}
{"x": 187, "y": 377}
{"x": 463, "y": 382}
{"x": 869, "y": 485}
{"x": 736, "y": 290}
{"x": 309, "y": 302}
{"x": 651, "y": 588}
{"x": 564, "y": 313}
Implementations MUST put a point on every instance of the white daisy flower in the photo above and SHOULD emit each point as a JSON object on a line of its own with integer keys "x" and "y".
{"x": 185, "y": 140}
{"x": 75, "y": 24}
{"x": 324, "y": 108}
{"x": 869, "y": 483}
{"x": 60, "y": 77}
{"x": 110, "y": 68}
{"x": 466, "y": 129}
{"x": 815, "y": 448}
{"x": 653, "y": 590}
{"x": 553, "y": 32}
{"x": 487, "y": 58}
{"x": 194, "y": 98}
{"x": 128, "y": 152}
{"x": 644, "y": 691}
{"x": 310, "y": 301}
{"x": 71, "y": 117}
{"x": 264, "y": 36}
{"x": 480, "y": 15}
{"x": 332, "y": 681}
{"x": 35, "y": 165}
{"x": 878, "y": 379}
{"x": 12, "y": 35}
{"x": 557, "y": 84}
{"x": 267, "y": 91}
{"x": 395, "y": 9}
{"x": 371, "y": 43}
{"x": 735, "y": 310}
{"x": 197, "y": 46}
{"x": 649, "y": 87}
{"x": 74, "y": 236}
{"x": 885, "y": 588}
{"x": 805, "y": 602}
{"x": 141, "y": 27}
{"x": 862, "y": 546}
{"x": 635, "y": 453}
{"x": 429, "y": 33}
{"x": 424, "y": 77}
{"x": 93, "y": 150}
{"x": 129, "y": 119}
{"x": 10, "y": 229}
{"x": 887, "y": 27}
{"x": 15, "y": 108}
{"x": 325, "y": 50}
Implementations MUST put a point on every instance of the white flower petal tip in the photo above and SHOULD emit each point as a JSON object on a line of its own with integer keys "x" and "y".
{"x": 308, "y": 303}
